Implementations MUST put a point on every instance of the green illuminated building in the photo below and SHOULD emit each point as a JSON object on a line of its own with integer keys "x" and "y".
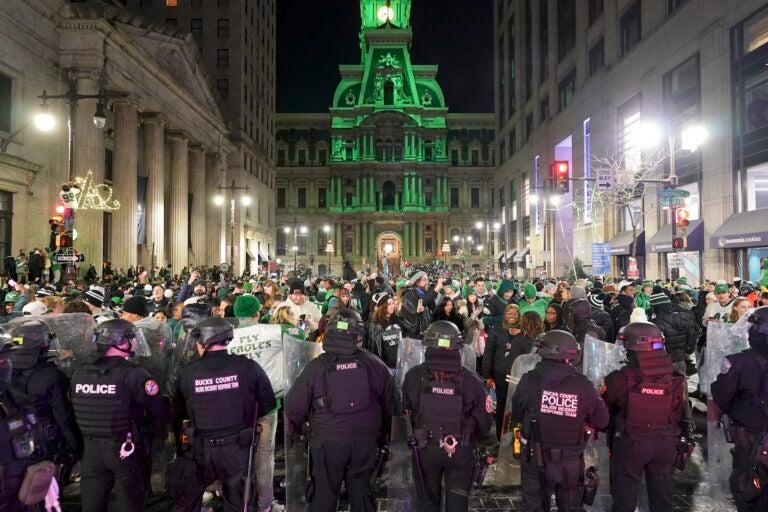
{"x": 387, "y": 165}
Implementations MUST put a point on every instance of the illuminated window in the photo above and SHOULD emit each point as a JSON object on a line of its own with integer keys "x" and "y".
{"x": 171, "y": 3}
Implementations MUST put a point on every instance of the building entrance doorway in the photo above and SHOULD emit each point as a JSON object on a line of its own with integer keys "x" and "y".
{"x": 389, "y": 248}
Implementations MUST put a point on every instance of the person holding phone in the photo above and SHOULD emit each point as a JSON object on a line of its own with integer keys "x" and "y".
{"x": 418, "y": 303}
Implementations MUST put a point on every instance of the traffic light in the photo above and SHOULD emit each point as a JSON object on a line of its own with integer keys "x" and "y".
{"x": 560, "y": 174}
{"x": 682, "y": 219}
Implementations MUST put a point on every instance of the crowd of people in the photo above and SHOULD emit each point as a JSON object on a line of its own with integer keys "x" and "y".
{"x": 359, "y": 321}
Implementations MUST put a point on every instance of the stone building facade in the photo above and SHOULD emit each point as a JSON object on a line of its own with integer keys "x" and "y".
{"x": 164, "y": 149}
{"x": 387, "y": 173}
{"x": 575, "y": 81}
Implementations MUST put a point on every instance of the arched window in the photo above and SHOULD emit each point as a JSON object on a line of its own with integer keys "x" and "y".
{"x": 388, "y": 198}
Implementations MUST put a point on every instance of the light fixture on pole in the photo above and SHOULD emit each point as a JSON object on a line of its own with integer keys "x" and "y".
{"x": 295, "y": 250}
{"x": 219, "y": 201}
{"x": 329, "y": 250}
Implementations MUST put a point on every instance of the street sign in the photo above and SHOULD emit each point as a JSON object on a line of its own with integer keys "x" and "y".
{"x": 674, "y": 192}
{"x": 672, "y": 201}
{"x": 69, "y": 258}
{"x": 529, "y": 263}
{"x": 545, "y": 256}
{"x": 601, "y": 258}
{"x": 675, "y": 260}
{"x": 633, "y": 272}
{"x": 604, "y": 179}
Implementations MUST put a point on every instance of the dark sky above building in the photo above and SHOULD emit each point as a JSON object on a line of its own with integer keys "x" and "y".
{"x": 313, "y": 38}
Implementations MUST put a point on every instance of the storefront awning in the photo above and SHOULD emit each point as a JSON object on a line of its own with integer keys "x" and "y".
{"x": 745, "y": 229}
{"x": 261, "y": 256}
{"x": 662, "y": 240}
{"x": 520, "y": 256}
{"x": 511, "y": 254}
{"x": 250, "y": 253}
{"x": 499, "y": 256}
{"x": 621, "y": 245}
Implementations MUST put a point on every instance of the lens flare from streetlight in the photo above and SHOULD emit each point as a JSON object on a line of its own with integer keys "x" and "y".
{"x": 303, "y": 230}
{"x": 533, "y": 199}
{"x": 480, "y": 247}
{"x": 497, "y": 225}
{"x": 44, "y": 121}
{"x": 647, "y": 135}
{"x": 218, "y": 200}
{"x": 478, "y": 224}
{"x": 287, "y": 229}
{"x": 456, "y": 238}
{"x": 554, "y": 200}
{"x": 326, "y": 229}
{"x": 693, "y": 136}
{"x": 246, "y": 200}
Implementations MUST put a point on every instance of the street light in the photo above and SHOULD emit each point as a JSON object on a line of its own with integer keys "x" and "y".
{"x": 219, "y": 200}
{"x": 295, "y": 250}
{"x": 329, "y": 249}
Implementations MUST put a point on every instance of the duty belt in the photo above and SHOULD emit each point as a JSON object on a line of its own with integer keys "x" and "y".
{"x": 236, "y": 438}
{"x": 425, "y": 436}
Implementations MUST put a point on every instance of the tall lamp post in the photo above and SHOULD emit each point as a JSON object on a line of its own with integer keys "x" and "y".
{"x": 329, "y": 249}
{"x": 295, "y": 250}
{"x": 45, "y": 121}
{"x": 219, "y": 200}
{"x": 548, "y": 199}
{"x": 463, "y": 250}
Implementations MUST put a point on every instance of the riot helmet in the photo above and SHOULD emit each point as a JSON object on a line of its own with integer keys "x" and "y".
{"x": 443, "y": 342}
{"x": 32, "y": 339}
{"x": 558, "y": 345}
{"x": 642, "y": 337}
{"x": 6, "y": 365}
{"x": 114, "y": 333}
{"x": 213, "y": 331}
{"x": 758, "y": 330}
{"x": 197, "y": 311}
{"x": 345, "y": 330}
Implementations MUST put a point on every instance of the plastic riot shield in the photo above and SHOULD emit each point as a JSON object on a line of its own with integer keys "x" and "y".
{"x": 73, "y": 341}
{"x": 601, "y": 358}
{"x": 183, "y": 353}
{"x": 298, "y": 478}
{"x": 159, "y": 339}
{"x": 402, "y": 485}
{"x": 506, "y": 470}
{"x": 722, "y": 340}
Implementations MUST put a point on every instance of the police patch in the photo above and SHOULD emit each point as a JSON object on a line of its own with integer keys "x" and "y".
{"x": 489, "y": 404}
{"x": 151, "y": 388}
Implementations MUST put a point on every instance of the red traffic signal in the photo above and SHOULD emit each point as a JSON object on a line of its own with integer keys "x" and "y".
{"x": 678, "y": 242}
{"x": 561, "y": 174}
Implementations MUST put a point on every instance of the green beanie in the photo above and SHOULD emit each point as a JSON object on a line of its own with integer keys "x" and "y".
{"x": 248, "y": 287}
{"x": 246, "y": 306}
{"x": 399, "y": 284}
{"x": 529, "y": 291}
{"x": 505, "y": 286}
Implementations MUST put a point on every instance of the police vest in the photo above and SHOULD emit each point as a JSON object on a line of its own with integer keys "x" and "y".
{"x": 561, "y": 410}
{"x": 217, "y": 399}
{"x": 347, "y": 389}
{"x": 441, "y": 405}
{"x": 102, "y": 400}
{"x": 654, "y": 405}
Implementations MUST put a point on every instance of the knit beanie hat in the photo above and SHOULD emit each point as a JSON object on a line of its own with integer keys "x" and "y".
{"x": 246, "y": 306}
{"x": 638, "y": 315}
{"x": 136, "y": 305}
{"x": 659, "y": 297}
{"x": 94, "y": 296}
{"x": 529, "y": 291}
{"x": 596, "y": 300}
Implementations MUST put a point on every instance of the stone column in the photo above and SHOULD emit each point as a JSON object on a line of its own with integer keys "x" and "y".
{"x": 338, "y": 234}
{"x": 406, "y": 190}
{"x": 364, "y": 240}
{"x": 438, "y": 189}
{"x": 89, "y": 156}
{"x": 372, "y": 190}
{"x": 154, "y": 160}
{"x": 212, "y": 212}
{"x": 372, "y": 240}
{"x": 178, "y": 228}
{"x": 358, "y": 241}
{"x": 199, "y": 200}
{"x": 125, "y": 166}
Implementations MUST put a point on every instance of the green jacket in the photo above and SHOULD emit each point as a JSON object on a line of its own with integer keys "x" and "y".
{"x": 539, "y": 306}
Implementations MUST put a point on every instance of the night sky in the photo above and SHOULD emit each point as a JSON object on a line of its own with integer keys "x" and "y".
{"x": 314, "y": 37}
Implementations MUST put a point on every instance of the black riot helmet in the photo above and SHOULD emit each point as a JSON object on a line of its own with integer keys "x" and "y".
{"x": 213, "y": 331}
{"x": 197, "y": 311}
{"x": 32, "y": 339}
{"x": 345, "y": 330}
{"x": 557, "y": 345}
{"x": 642, "y": 337}
{"x": 114, "y": 332}
{"x": 443, "y": 342}
{"x": 758, "y": 330}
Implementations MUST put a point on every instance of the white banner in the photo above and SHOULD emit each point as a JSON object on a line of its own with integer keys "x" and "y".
{"x": 264, "y": 344}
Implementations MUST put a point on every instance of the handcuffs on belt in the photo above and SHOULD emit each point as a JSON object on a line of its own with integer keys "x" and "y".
{"x": 449, "y": 444}
{"x": 127, "y": 448}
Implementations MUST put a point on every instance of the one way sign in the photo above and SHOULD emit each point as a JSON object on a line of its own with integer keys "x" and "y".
{"x": 604, "y": 179}
{"x": 69, "y": 258}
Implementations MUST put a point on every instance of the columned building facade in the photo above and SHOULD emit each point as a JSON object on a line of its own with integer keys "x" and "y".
{"x": 163, "y": 151}
{"x": 388, "y": 173}
{"x": 579, "y": 83}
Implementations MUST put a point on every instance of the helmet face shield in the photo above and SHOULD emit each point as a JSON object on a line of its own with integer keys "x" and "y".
{"x": 139, "y": 345}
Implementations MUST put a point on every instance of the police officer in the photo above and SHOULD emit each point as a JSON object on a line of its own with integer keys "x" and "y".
{"x": 18, "y": 437}
{"x": 555, "y": 406}
{"x": 46, "y": 387}
{"x": 111, "y": 397}
{"x": 347, "y": 395}
{"x": 740, "y": 391}
{"x": 225, "y": 395}
{"x": 449, "y": 409}
{"x": 649, "y": 414}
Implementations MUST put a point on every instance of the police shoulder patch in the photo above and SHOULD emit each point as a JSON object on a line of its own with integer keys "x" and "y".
{"x": 489, "y": 404}
{"x": 726, "y": 366}
{"x": 151, "y": 388}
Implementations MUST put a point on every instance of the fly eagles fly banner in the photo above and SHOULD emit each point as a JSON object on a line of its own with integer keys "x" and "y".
{"x": 264, "y": 344}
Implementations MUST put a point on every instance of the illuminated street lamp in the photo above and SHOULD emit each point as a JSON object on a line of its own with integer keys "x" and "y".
{"x": 219, "y": 200}
{"x": 295, "y": 250}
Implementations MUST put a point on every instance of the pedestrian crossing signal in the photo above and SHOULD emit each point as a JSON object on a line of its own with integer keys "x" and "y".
{"x": 678, "y": 242}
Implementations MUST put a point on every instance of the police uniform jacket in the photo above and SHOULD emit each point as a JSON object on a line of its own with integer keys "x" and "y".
{"x": 459, "y": 406}
{"x": 225, "y": 393}
{"x": 342, "y": 397}
{"x": 562, "y": 401}
{"x": 740, "y": 389}
{"x": 111, "y": 395}
{"x": 46, "y": 386}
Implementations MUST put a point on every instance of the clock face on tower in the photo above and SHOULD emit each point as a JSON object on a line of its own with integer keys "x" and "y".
{"x": 385, "y": 13}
